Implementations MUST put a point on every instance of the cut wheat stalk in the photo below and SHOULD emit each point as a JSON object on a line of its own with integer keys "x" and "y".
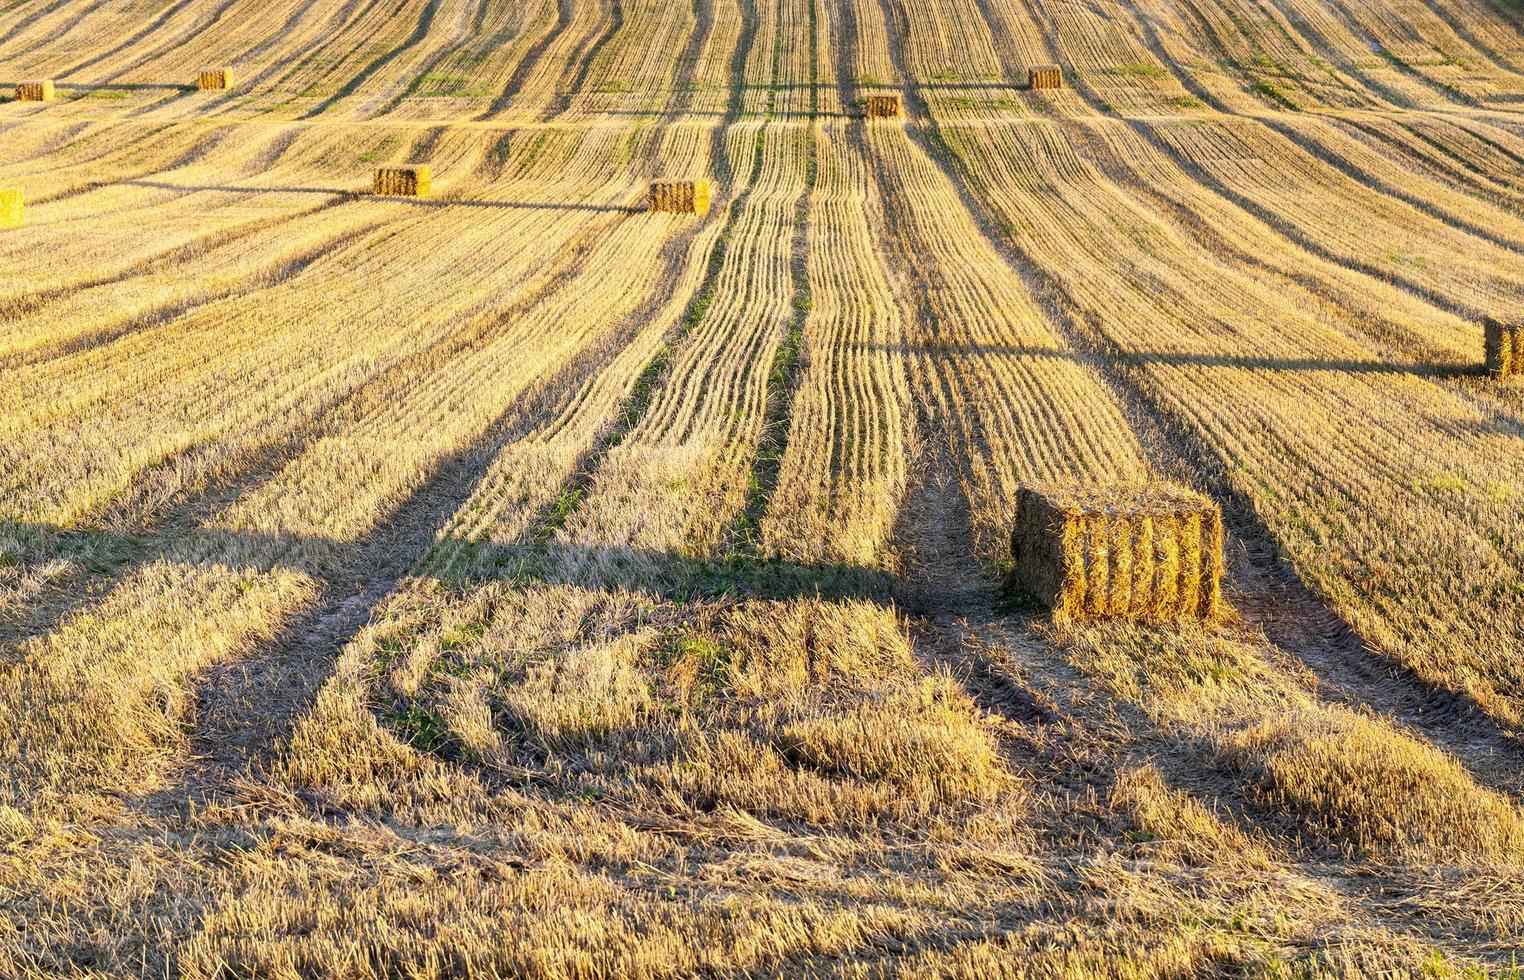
{"x": 882, "y": 106}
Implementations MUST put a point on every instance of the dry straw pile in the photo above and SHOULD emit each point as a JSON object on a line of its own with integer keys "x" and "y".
{"x": 10, "y": 208}
{"x": 1504, "y": 348}
{"x": 1045, "y": 76}
{"x": 35, "y": 91}
{"x": 403, "y": 181}
{"x": 680, "y": 196}
{"x": 882, "y": 106}
{"x": 1149, "y": 552}
{"x": 215, "y": 78}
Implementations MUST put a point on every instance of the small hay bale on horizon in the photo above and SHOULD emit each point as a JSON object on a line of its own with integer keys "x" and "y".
{"x": 1045, "y": 77}
{"x": 680, "y": 196}
{"x": 417, "y": 181}
{"x": 1149, "y": 552}
{"x": 1503, "y": 348}
{"x": 214, "y": 79}
{"x": 882, "y": 106}
{"x": 12, "y": 205}
{"x": 40, "y": 91}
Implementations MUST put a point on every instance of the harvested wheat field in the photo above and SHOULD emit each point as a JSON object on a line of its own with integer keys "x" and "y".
{"x": 656, "y": 488}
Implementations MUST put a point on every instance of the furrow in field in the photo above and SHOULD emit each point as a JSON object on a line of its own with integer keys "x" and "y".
{"x": 183, "y": 32}
{"x": 104, "y": 155}
{"x": 280, "y": 540}
{"x": 566, "y": 433}
{"x": 1417, "y": 336}
{"x": 394, "y": 76}
{"x": 390, "y": 70}
{"x": 461, "y": 75}
{"x": 1037, "y": 188}
{"x": 1397, "y": 219}
{"x": 577, "y": 413}
{"x": 1443, "y": 151}
{"x": 1333, "y": 215}
{"x": 105, "y": 230}
{"x": 679, "y": 476}
{"x": 1044, "y": 183}
{"x": 843, "y": 474}
{"x": 1419, "y": 42}
{"x": 978, "y": 338}
{"x": 588, "y": 58}
{"x": 1278, "y": 61}
{"x": 377, "y": 291}
{"x": 1112, "y": 67}
{"x": 1400, "y": 522}
{"x": 552, "y": 28}
{"x": 295, "y": 70}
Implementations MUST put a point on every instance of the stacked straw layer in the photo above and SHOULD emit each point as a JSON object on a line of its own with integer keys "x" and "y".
{"x": 217, "y": 78}
{"x": 403, "y": 181}
{"x": 1135, "y": 552}
{"x": 11, "y": 212}
{"x": 680, "y": 196}
{"x": 1504, "y": 348}
{"x": 35, "y": 91}
{"x": 882, "y": 106}
{"x": 1045, "y": 76}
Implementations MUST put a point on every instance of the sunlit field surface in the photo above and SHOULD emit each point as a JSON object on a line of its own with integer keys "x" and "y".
{"x": 520, "y": 582}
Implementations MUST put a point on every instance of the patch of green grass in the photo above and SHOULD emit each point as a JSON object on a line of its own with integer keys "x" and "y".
{"x": 442, "y": 86}
{"x": 419, "y": 727}
{"x": 1275, "y": 93}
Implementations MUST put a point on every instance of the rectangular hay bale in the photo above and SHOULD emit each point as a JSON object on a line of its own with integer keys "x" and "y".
{"x": 680, "y": 196}
{"x": 35, "y": 91}
{"x": 215, "y": 79}
{"x": 403, "y": 181}
{"x": 882, "y": 106}
{"x": 1143, "y": 552}
{"x": 1045, "y": 76}
{"x": 1504, "y": 348}
{"x": 11, "y": 208}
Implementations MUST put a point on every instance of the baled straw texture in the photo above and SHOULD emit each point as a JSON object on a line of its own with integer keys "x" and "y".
{"x": 1143, "y": 552}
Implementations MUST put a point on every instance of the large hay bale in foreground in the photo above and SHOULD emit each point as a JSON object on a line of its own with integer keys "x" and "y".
{"x": 11, "y": 208}
{"x": 882, "y": 106}
{"x": 403, "y": 181}
{"x": 215, "y": 79}
{"x": 680, "y": 196}
{"x": 1045, "y": 76}
{"x": 1504, "y": 347}
{"x": 35, "y": 91}
{"x": 1145, "y": 552}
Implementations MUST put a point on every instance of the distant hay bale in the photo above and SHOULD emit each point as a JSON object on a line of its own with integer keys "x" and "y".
{"x": 35, "y": 91}
{"x": 1151, "y": 552}
{"x": 403, "y": 181}
{"x": 1504, "y": 348}
{"x": 215, "y": 78}
{"x": 882, "y": 106}
{"x": 11, "y": 213}
{"x": 1045, "y": 76}
{"x": 680, "y": 196}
